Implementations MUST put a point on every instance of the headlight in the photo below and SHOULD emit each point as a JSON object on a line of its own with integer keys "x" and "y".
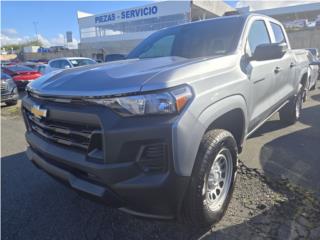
{"x": 167, "y": 102}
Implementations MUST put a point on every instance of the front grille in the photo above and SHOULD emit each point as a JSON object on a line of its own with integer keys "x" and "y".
{"x": 72, "y": 135}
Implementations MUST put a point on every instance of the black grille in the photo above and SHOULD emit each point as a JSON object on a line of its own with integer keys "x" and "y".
{"x": 71, "y": 135}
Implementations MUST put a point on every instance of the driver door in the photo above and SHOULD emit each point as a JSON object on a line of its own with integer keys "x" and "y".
{"x": 260, "y": 74}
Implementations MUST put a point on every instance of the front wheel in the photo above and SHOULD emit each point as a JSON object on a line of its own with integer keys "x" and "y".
{"x": 212, "y": 179}
{"x": 291, "y": 112}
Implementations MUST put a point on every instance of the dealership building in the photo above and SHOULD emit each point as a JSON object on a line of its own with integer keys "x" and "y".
{"x": 120, "y": 31}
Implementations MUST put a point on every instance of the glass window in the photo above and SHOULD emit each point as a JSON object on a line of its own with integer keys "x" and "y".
{"x": 81, "y": 62}
{"x": 278, "y": 33}
{"x": 199, "y": 39}
{"x": 142, "y": 25}
{"x": 160, "y": 48}
{"x": 64, "y": 64}
{"x": 258, "y": 35}
{"x": 55, "y": 64}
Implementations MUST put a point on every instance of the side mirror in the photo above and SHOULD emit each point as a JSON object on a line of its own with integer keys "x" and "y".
{"x": 271, "y": 51}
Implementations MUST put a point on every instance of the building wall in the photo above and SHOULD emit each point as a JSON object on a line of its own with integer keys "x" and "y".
{"x": 115, "y": 32}
{"x": 127, "y": 23}
{"x": 305, "y": 39}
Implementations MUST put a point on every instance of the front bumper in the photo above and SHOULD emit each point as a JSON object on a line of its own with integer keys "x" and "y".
{"x": 120, "y": 179}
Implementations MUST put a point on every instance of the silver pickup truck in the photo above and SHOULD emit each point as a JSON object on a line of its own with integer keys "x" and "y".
{"x": 158, "y": 134}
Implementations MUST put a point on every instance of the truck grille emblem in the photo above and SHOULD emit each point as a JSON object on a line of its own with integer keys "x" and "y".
{"x": 38, "y": 112}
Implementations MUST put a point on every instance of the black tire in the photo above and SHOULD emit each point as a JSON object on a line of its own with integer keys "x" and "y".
{"x": 11, "y": 103}
{"x": 290, "y": 113}
{"x": 197, "y": 210}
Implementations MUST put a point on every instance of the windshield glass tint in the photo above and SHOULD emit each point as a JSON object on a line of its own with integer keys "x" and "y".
{"x": 201, "y": 39}
{"x": 81, "y": 62}
{"x": 19, "y": 68}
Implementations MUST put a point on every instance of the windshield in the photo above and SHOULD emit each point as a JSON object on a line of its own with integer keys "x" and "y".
{"x": 200, "y": 39}
{"x": 81, "y": 62}
{"x": 19, "y": 68}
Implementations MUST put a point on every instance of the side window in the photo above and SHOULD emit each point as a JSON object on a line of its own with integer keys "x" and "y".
{"x": 64, "y": 64}
{"x": 55, "y": 64}
{"x": 258, "y": 35}
{"x": 278, "y": 33}
{"x": 161, "y": 48}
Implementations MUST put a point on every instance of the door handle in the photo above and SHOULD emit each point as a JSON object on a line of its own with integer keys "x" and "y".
{"x": 277, "y": 70}
{"x": 292, "y": 65}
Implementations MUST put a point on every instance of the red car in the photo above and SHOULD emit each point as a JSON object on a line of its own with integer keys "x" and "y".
{"x": 21, "y": 75}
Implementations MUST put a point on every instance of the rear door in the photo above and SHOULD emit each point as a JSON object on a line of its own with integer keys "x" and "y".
{"x": 284, "y": 72}
{"x": 260, "y": 74}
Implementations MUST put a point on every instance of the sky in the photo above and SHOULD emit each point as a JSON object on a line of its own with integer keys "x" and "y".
{"x": 53, "y": 18}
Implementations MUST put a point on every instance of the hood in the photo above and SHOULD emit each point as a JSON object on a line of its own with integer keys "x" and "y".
{"x": 107, "y": 79}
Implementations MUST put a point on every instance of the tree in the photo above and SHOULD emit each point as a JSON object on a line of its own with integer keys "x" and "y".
{"x": 21, "y": 45}
{"x": 33, "y": 43}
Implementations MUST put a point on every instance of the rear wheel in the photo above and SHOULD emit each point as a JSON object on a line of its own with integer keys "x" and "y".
{"x": 212, "y": 180}
{"x": 291, "y": 112}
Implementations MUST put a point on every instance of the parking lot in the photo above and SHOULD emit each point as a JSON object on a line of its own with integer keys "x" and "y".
{"x": 273, "y": 198}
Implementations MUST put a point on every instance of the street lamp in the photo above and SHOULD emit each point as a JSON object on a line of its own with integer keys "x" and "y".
{"x": 36, "y": 29}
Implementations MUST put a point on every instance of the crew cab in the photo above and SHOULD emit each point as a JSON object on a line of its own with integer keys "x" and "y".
{"x": 158, "y": 134}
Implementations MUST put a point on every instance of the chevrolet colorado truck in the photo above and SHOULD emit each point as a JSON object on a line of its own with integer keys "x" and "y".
{"x": 158, "y": 134}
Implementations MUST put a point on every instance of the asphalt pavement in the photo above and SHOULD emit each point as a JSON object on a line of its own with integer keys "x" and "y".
{"x": 34, "y": 206}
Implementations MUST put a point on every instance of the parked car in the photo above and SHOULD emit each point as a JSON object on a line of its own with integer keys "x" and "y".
{"x": 30, "y": 64}
{"x": 114, "y": 57}
{"x": 316, "y": 58}
{"x": 65, "y": 63}
{"x": 40, "y": 67}
{"x": 21, "y": 75}
{"x": 6, "y": 63}
{"x": 158, "y": 134}
{"x": 314, "y": 52}
{"x": 313, "y": 71}
{"x": 9, "y": 92}
{"x": 58, "y": 49}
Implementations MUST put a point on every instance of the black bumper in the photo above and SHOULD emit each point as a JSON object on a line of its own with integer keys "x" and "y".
{"x": 120, "y": 178}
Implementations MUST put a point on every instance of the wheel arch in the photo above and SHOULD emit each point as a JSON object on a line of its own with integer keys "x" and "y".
{"x": 229, "y": 113}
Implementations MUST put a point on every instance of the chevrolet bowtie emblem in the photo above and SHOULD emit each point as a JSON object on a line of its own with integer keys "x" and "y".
{"x": 38, "y": 112}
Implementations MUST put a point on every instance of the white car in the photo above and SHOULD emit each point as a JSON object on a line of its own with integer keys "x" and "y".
{"x": 70, "y": 62}
{"x": 313, "y": 68}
